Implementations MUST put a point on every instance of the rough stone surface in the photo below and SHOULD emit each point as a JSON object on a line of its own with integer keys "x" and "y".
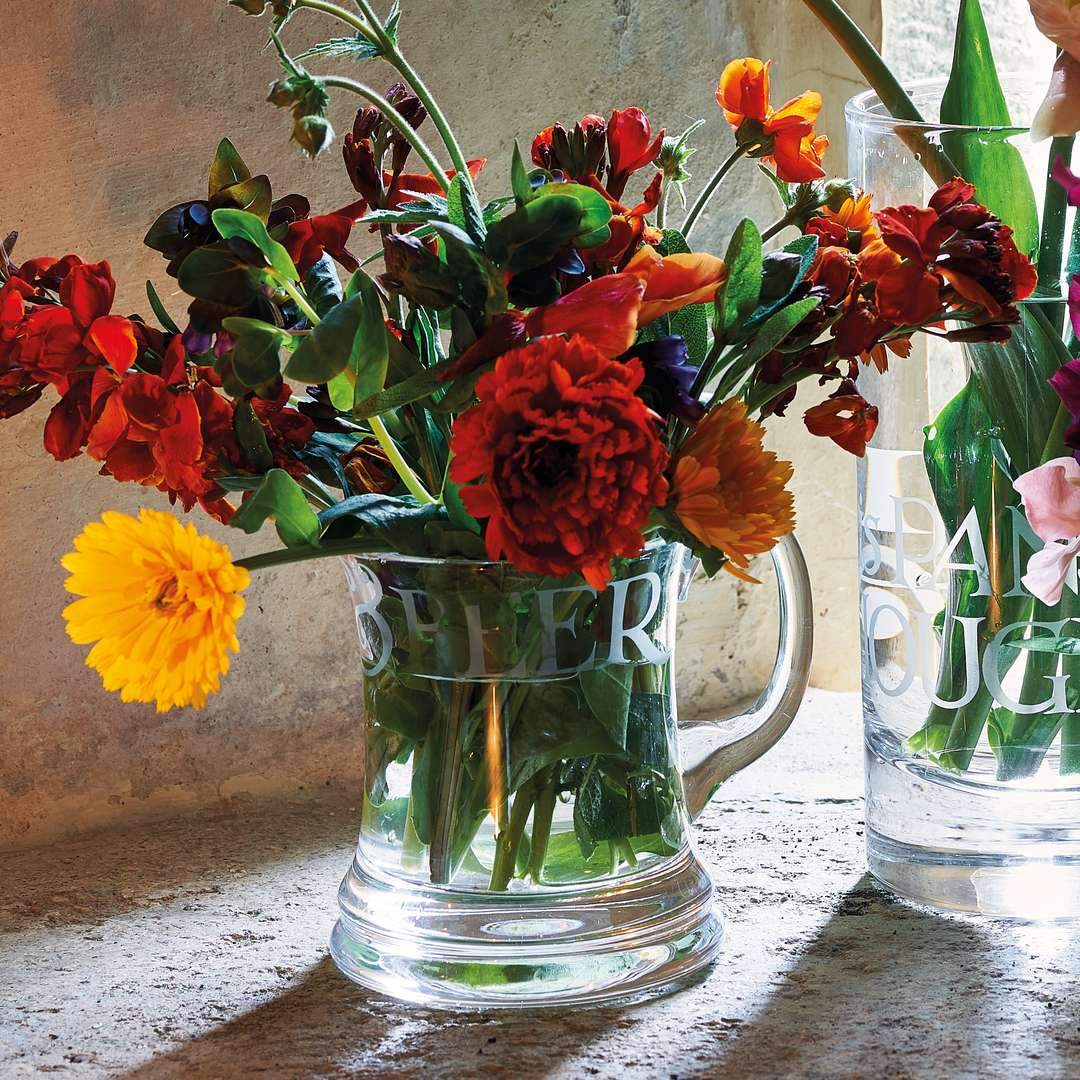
{"x": 197, "y": 950}
{"x": 113, "y": 115}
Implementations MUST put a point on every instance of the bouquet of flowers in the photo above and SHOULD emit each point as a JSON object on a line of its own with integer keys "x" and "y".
{"x": 550, "y": 378}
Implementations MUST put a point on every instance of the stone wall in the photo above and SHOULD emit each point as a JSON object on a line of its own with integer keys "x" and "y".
{"x": 113, "y": 111}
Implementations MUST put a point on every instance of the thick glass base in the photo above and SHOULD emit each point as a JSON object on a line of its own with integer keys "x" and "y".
{"x": 620, "y": 941}
{"x": 970, "y": 842}
{"x": 998, "y": 885}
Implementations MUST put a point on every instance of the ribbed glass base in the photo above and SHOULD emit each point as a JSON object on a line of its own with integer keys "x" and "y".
{"x": 620, "y": 941}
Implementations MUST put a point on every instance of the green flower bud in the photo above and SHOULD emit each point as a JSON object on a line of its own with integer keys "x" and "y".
{"x": 837, "y": 192}
{"x": 313, "y": 134}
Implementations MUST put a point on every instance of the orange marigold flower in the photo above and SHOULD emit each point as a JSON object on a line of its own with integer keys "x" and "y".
{"x": 562, "y": 458}
{"x": 729, "y": 492}
{"x": 784, "y": 136}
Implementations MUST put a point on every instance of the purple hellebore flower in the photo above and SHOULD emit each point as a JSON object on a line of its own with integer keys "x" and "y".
{"x": 669, "y": 378}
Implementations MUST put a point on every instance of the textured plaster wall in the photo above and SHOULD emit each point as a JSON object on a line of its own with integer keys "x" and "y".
{"x": 113, "y": 111}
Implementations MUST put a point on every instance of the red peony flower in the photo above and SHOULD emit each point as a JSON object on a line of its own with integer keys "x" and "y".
{"x": 564, "y": 457}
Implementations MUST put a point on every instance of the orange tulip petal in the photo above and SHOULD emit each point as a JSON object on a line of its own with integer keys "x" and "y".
{"x": 679, "y": 280}
{"x": 800, "y": 112}
{"x": 604, "y": 311}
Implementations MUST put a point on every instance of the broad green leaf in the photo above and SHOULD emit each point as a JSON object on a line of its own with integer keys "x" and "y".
{"x": 348, "y": 349}
{"x": 160, "y": 310}
{"x": 280, "y": 498}
{"x": 673, "y": 243}
{"x": 594, "y": 227}
{"x": 1067, "y": 646}
{"x": 463, "y": 209}
{"x": 397, "y": 523}
{"x": 607, "y": 691}
{"x": 804, "y": 249}
{"x": 455, "y": 508}
{"x": 322, "y": 286}
{"x": 481, "y": 285}
{"x": 776, "y": 329}
{"x": 254, "y": 195}
{"x": 228, "y": 168}
{"x": 692, "y": 325}
{"x": 415, "y": 388}
{"x": 974, "y": 97}
{"x": 214, "y": 273}
{"x": 965, "y": 474}
{"x": 534, "y": 233}
{"x": 251, "y": 436}
{"x": 239, "y": 223}
{"x": 256, "y": 355}
{"x": 738, "y": 299}
{"x": 519, "y": 178}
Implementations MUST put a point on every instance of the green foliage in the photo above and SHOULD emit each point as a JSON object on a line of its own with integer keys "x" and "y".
{"x": 280, "y": 498}
{"x": 256, "y": 353}
{"x": 214, "y": 273}
{"x": 251, "y": 437}
{"x": 464, "y": 210}
{"x": 246, "y": 226}
{"x": 776, "y": 329}
{"x": 974, "y": 97}
{"x": 519, "y": 178}
{"x": 322, "y": 286}
{"x": 349, "y": 346}
{"x": 396, "y": 523}
{"x": 227, "y": 168}
{"x": 160, "y": 310}
{"x": 738, "y": 299}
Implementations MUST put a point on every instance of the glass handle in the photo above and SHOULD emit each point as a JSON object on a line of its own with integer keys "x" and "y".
{"x": 713, "y": 751}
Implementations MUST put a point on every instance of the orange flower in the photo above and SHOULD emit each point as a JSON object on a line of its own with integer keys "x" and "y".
{"x": 784, "y": 136}
{"x": 729, "y": 492}
{"x": 673, "y": 282}
{"x": 847, "y": 418}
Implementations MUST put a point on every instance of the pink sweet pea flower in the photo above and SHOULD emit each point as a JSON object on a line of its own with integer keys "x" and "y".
{"x": 1051, "y": 497}
{"x": 1059, "y": 114}
{"x": 1048, "y": 569}
{"x": 1059, "y": 20}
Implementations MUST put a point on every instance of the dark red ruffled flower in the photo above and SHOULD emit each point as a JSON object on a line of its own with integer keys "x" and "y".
{"x": 310, "y": 238}
{"x": 562, "y": 458}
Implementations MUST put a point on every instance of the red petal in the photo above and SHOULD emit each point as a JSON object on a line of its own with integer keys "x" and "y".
{"x": 113, "y": 337}
{"x": 604, "y": 311}
{"x": 88, "y": 291}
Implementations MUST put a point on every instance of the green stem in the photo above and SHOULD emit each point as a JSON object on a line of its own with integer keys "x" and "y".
{"x": 661, "y": 206}
{"x": 393, "y": 55}
{"x": 778, "y": 226}
{"x": 448, "y": 787}
{"x": 378, "y": 428}
{"x": 542, "y": 817}
{"x": 877, "y": 73}
{"x": 300, "y": 301}
{"x": 506, "y": 847}
{"x": 1052, "y": 238}
{"x": 327, "y": 550}
{"x": 714, "y": 182}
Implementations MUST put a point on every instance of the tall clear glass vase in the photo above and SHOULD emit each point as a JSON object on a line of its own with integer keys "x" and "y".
{"x": 526, "y": 829}
{"x": 972, "y": 738}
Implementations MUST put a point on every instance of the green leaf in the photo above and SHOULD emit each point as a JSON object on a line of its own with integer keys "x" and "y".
{"x": 214, "y": 273}
{"x": 738, "y": 299}
{"x": 159, "y": 309}
{"x": 776, "y": 329}
{"x": 239, "y": 223}
{"x": 397, "y": 523}
{"x": 455, "y": 508}
{"x": 1067, "y": 646}
{"x": 415, "y": 388}
{"x": 256, "y": 355}
{"x": 974, "y": 97}
{"x": 519, "y": 178}
{"x": 534, "y": 233}
{"x": 228, "y": 168}
{"x": 595, "y": 223}
{"x": 805, "y": 249}
{"x": 692, "y": 325}
{"x": 254, "y": 195}
{"x": 607, "y": 691}
{"x": 673, "y": 243}
{"x": 783, "y": 188}
{"x": 251, "y": 436}
{"x": 280, "y": 498}
{"x": 322, "y": 286}
{"x": 348, "y": 348}
{"x": 464, "y": 209}
{"x": 480, "y": 283}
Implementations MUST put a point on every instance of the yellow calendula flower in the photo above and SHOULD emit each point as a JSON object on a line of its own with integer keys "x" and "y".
{"x": 728, "y": 491}
{"x": 159, "y": 604}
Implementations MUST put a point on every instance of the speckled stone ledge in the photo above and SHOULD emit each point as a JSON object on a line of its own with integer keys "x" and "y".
{"x": 198, "y": 950}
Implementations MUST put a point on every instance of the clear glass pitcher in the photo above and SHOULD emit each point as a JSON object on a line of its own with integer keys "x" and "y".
{"x": 972, "y": 769}
{"x": 525, "y": 836}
